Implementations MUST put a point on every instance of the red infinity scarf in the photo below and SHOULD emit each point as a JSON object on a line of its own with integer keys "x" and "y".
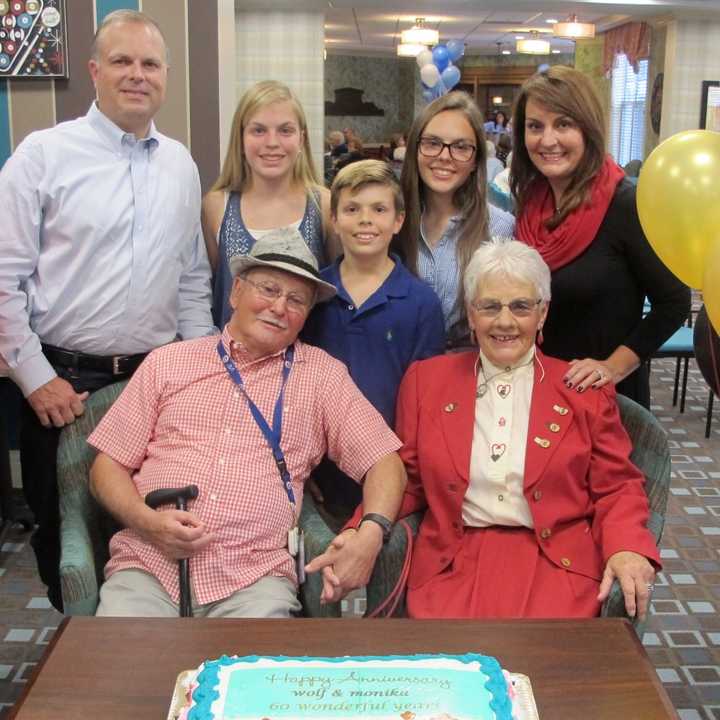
{"x": 572, "y": 237}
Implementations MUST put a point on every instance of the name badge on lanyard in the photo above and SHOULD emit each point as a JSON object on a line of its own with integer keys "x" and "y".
{"x": 273, "y": 435}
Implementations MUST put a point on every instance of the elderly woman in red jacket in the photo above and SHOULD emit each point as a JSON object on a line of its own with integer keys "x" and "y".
{"x": 532, "y": 506}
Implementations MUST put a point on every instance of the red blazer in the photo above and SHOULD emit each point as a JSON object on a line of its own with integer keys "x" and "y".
{"x": 586, "y": 497}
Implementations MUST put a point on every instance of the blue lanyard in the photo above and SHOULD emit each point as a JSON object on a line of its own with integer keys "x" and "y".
{"x": 271, "y": 435}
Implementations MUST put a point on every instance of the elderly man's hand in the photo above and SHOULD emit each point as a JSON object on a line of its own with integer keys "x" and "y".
{"x": 636, "y": 577}
{"x": 348, "y": 561}
{"x": 176, "y": 533}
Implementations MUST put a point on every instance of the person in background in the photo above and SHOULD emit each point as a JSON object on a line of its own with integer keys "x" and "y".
{"x": 397, "y": 141}
{"x": 445, "y": 190}
{"x": 354, "y": 153}
{"x": 576, "y": 207}
{"x": 337, "y": 143}
{"x": 503, "y": 149}
{"x": 494, "y": 166}
{"x": 102, "y": 256}
{"x": 382, "y": 319}
{"x": 268, "y": 181}
{"x": 532, "y": 505}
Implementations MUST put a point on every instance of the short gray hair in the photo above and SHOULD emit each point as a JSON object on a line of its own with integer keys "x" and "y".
{"x": 508, "y": 258}
{"x": 126, "y": 16}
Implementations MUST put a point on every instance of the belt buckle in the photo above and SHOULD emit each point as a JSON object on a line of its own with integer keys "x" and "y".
{"x": 116, "y": 365}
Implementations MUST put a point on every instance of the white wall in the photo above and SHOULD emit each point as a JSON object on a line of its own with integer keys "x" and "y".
{"x": 692, "y": 54}
{"x": 285, "y": 46}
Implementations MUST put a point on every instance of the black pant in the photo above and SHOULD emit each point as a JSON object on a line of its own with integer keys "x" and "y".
{"x": 38, "y": 459}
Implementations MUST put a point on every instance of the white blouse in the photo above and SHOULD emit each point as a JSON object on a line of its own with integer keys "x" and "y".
{"x": 497, "y": 459}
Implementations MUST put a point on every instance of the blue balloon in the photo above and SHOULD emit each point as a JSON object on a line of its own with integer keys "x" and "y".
{"x": 450, "y": 76}
{"x": 456, "y": 49}
{"x": 428, "y": 95}
{"x": 440, "y": 89}
{"x": 441, "y": 58}
{"x": 543, "y": 68}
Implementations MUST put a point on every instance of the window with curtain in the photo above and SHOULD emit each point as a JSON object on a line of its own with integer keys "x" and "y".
{"x": 627, "y": 113}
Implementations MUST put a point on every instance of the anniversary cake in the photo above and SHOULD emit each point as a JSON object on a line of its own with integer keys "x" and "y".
{"x": 397, "y": 687}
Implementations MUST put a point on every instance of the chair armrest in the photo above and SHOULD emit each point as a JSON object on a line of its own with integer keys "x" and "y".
{"x": 77, "y": 570}
{"x": 614, "y": 606}
{"x": 317, "y": 537}
{"x": 388, "y": 567}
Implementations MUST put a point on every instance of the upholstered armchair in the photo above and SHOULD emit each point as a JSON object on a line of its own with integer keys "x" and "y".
{"x": 650, "y": 453}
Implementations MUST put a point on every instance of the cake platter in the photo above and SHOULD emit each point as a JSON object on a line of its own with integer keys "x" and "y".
{"x": 524, "y": 706}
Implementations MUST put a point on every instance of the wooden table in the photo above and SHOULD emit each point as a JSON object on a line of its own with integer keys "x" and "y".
{"x": 117, "y": 668}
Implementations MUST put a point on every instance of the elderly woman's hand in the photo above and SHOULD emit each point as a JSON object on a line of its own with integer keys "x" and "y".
{"x": 636, "y": 577}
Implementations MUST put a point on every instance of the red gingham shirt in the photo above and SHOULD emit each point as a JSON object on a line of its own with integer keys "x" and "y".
{"x": 181, "y": 420}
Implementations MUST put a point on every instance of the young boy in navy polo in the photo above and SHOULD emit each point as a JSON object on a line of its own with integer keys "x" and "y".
{"x": 383, "y": 318}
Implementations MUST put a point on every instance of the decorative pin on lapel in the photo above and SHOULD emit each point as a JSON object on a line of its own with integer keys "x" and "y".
{"x": 501, "y": 422}
{"x": 560, "y": 409}
{"x": 553, "y": 427}
{"x": 450, "y": 407}
{"x": 504, "y": 390}
{"x": 497, "y": 450}
{"x": 542, "y": 442}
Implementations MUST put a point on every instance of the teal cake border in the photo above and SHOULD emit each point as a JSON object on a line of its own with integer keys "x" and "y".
{"x": 208, "y": 679}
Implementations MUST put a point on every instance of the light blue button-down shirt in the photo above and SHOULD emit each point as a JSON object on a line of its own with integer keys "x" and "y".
{"x": 439, "y": 267}
{"x": 100, "y": 250}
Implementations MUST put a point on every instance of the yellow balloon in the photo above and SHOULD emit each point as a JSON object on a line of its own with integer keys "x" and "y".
{"x": 711, "y": 285}
{"x": 678, "y": 201}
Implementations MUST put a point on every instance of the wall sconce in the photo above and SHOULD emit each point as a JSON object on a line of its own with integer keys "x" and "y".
{"x": 497, "y": 100}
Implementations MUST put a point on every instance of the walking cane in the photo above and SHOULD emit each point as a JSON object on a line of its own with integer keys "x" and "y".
{"x": 179, "y": 496}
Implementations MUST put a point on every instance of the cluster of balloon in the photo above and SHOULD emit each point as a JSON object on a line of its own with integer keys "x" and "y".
{"x": 437, "y": 72}
{"x": 678, "y": 201}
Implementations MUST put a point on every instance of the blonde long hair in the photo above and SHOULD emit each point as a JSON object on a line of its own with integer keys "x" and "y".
{"x": 236, "y": 174}
{"x": 469, "y": 198}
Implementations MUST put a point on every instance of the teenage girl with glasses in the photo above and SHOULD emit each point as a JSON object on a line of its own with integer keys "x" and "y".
{"x": 447, "y": 215}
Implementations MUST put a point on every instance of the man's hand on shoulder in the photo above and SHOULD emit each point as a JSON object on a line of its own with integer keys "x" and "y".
{"x": 176, "y": 533}
{"x": 348, "y": 561}
{"x": 56, "y": 403}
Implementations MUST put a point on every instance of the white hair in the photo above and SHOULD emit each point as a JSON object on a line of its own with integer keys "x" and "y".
{"x": 507, "y": 258}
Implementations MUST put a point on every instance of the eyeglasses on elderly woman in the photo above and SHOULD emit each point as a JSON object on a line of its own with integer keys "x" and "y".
{"x": 520, "y": 307}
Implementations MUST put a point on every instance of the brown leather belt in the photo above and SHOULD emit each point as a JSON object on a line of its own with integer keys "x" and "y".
{"x": 116, "y": 365}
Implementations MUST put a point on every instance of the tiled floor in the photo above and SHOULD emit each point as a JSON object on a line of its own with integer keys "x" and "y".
{"x": 682, "y": 636}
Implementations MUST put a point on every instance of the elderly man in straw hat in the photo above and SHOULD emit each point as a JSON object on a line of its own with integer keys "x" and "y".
{"x": 246, "y": 416}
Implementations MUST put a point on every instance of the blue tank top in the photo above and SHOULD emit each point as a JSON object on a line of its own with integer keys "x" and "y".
{"x": 235, "y": 239}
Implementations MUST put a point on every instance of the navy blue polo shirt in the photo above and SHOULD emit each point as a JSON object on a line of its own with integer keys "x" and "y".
{"x": 402, "y": 321}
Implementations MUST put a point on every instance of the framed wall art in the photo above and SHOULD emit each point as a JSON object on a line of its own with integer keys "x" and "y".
{"x": 710, "y": 105}
{"x": 33, "y": 39}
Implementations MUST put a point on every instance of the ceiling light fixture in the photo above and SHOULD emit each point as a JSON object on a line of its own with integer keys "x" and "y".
{"x": 573, "y": 29}
{"x": 534, "y": 45}
{"x": 507, "y": 52}
{"x": 419, "y": 34}
{"x": 497, "y": 100}
{"x": 410, "y": 49}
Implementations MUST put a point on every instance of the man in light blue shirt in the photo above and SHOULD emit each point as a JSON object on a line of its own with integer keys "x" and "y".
{"x": 102, "y": 254}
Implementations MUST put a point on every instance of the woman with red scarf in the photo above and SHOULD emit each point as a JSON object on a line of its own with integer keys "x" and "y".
{"x": 578, "y": 210}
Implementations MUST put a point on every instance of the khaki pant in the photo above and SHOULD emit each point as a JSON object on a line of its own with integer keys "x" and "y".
{"x": 135, "y": 593}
